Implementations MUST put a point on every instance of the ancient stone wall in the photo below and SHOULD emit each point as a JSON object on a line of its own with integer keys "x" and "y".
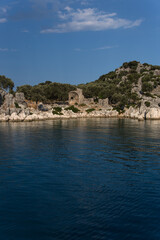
{"x": 76, "y": 97}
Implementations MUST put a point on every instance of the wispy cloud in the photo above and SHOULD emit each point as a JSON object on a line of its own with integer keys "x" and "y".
{"x": 4, "y": 49}
{"x": 3, "y": 13}
{"x": 3, "y": 20}
{"x": 77, "y": 49}
{"x": 8, "y": 50}
{"x": 95, "y": 49}
{"x": 3, "y": 9}
{"x": 89, "y": 19}
{"x": 25, "y": 31}
{"x": 104, "y": 48}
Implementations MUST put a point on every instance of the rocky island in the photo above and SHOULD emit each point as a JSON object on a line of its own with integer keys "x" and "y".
{"x": 131, "y": 91}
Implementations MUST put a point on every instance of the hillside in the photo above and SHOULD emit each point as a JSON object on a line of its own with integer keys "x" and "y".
{"x": 130, "y": 85}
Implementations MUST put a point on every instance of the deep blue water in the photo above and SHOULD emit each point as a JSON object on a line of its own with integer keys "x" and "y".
{"x": 80, "y": 179}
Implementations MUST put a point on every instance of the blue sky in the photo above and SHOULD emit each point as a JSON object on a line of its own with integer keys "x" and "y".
{"x": 75, "y": 41}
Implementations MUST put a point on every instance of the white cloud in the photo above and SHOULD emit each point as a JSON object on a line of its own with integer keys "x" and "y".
{"x": 89, "y": 19}
{"x": 25, "y": 31}
{"x": 3, "y": 9}
{"x": 77, "y": 49}
{"x": 8, "y": 50}
{"x": 105, "y": 48}
{"x": 3, "y": 49}
{"x": 3, "y": 20}
{"x": 95, "y": 49}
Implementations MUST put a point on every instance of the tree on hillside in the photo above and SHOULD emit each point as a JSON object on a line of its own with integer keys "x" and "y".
{"x": 6, "y": 83}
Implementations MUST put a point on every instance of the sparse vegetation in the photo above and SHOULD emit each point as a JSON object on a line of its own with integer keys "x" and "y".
{"x": 90, "y": 110}
{"x": 57, "y": 111}
{"x": 73, "y": 109}
{"x": 82, "y": 105}
{"x": 147, "y": 87}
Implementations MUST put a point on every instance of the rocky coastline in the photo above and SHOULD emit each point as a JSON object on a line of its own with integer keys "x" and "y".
{"x": 31, "y": 114}
{"x": 131, "y": 91}
{"x": 18, "y": 109}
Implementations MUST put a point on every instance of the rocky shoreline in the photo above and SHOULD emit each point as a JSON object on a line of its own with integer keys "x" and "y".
{"x": 18, "y": 109}
{"x": 36, "y": 115}
{"x": 131, "y": 91}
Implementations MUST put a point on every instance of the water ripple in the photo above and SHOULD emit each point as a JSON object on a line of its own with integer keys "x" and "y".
{"x": 80, "y": 179}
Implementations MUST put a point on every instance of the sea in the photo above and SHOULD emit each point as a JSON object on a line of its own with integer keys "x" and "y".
{"x": 80, "y": 179}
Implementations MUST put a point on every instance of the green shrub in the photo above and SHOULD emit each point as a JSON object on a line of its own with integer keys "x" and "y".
{"x": 111, "y": 75}
{"x": 149, "y": 95}
{"x": 56, "y": 113}
{"x": 147, "y": 104}
{"x": 90, "y": 110}
{"x": 122, "y": 73}
{"x": 154, "y": 67}
{"x": 146, "y": 64}
{"x": 57, "y": 109}
{"x": 147, "y": 78}
{"x": 17, "y": 105}
{"x": 133, "y": 65}
{"x": 147, "y": 87}
{"x": 143, "y": 70}
{"x": 116, "y": 97}
{"x": 82, "y": 105}
{"x": 73, "y": 109}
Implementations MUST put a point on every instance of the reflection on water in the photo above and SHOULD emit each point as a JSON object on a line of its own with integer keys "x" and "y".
{"x": 80, "y": 179}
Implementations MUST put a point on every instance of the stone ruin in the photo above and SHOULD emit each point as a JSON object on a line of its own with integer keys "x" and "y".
{"x": 77, "y": 97}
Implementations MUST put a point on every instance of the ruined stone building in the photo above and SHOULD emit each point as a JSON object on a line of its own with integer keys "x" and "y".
{"x": 76, "y": 97}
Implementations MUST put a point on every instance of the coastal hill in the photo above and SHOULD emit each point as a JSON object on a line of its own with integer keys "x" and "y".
{"x": 132, "y": 90}
{"x": 127, "y": 86}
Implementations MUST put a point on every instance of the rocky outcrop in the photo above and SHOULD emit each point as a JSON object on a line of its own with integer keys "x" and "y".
{"x": 9, "y": 101}
{"x": 10, "y": 104}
